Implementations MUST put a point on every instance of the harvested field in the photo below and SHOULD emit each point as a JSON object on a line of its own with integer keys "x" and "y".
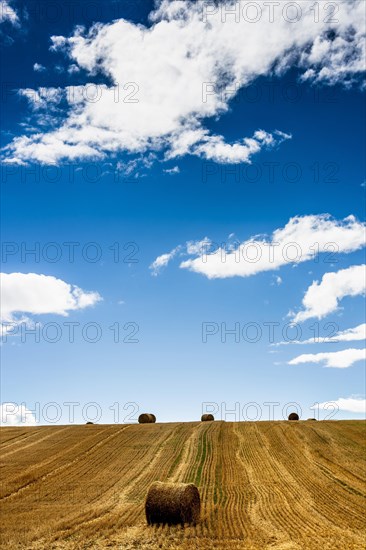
{"x": 267, "y": 485}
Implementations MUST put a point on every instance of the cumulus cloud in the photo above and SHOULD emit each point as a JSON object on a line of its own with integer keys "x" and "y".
{"x": 12, "y": 414}
{"x": 31, "y": 293}
{"x": 301, "y": 239}
{"x": 198, "y": 247}
{"x": 165, "y": 79}
{"x": 214, "y": 147}
{"x": 39, "y": 68}
{"x": 7, "y": 13}
{"x": 349, "y": 335}
{"x": 334, "y": 58}
{"x": 336, "y": 359}
{"x": 72, "y": 69}
{"x": 43, "y": 98}
{"x": 351, "y": 404}
{"x": 323, "y": 298}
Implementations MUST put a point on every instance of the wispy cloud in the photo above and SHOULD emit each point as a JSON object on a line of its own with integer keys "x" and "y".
{"x": 190, "y": 247}
{"x": 351, "y": 404}
{"x": 277, "y": 281}
{"x": 162, "y": 261}
{"x": 336, "y": 359}
{"x": 289, "y": 245}
{"x": 171, "y": 171}
{"x": 349, "y": 335}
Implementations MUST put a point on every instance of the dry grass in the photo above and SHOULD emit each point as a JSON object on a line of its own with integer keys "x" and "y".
{"x": 267, "y": 485}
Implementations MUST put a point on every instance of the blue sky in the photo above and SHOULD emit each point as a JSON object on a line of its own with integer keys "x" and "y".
{"x": 173, "y": 169}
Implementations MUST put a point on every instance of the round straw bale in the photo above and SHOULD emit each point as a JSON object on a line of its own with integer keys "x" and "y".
{"x": 311, "y": 418}
{"x": 147, "y": 418}
{"x": 90, "y": 422}
{"x": 207, "y": 418}
{"x": 293, "y": 416}
{"x": 172, "y": 503}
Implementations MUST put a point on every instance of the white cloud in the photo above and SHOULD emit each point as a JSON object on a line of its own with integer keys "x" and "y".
{"x": 9, "y": 326}
{"x": 160, "y": 80}
{"x": 163, "y": 260}
{"x": 132, "y": 168}
{"x": 336, "y": 359}
{"x": 351, "y": 404}
{"x": 322, "y": 298}
{"x": 302, "y": 238}
{"x": 335, "y": 58}
{"x": 7, "y": 13}
{"x": 198, "y": 247}
{"x": 38, "y": 68}
{"x": 190, "y": 247}
{"x": 58, "y": 42}
{"x": 43, "y": 98}
{"x": 12, "y": 414}
{"x": 35, "y": 294}
{"x": 215, "y": 148}
{"x": 174, "y": 170}
{"x": 349, "y": 335}
{"x": 72, "y": 69}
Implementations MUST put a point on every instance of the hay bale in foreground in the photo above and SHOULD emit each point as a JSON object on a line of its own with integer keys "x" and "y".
{"x": 293, "y": 416}
{"x": 207, "y": 418}
{"x": 172, "y": 503}
{"x": 147, "y": 418}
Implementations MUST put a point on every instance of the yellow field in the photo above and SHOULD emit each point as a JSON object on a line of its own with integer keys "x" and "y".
{"x": 267, "y": 485}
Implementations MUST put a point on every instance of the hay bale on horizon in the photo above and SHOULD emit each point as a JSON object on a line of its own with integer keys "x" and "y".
{"x": 293, "y": 416}
{"x": 90, "y": 422}
{"x": 207, "y": 418}
{"x": 172, "y": 503}
{"x": 312, "y": 418}
{"x": 147, "y": 418}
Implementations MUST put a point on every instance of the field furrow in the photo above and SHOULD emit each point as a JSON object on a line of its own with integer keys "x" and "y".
{"x": 263, "y": 486}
